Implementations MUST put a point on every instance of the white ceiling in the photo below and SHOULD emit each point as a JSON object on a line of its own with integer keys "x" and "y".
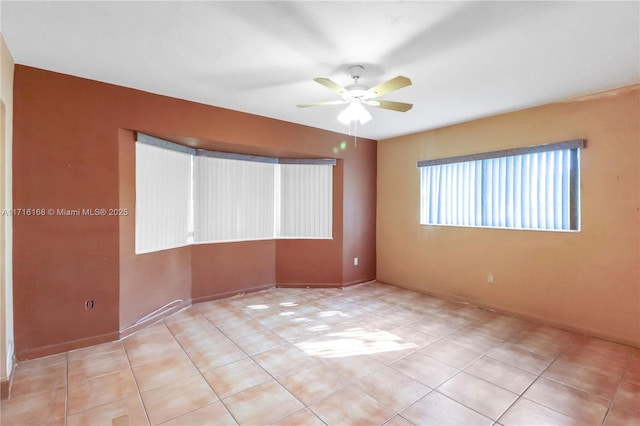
{"x": 466, "y": 59}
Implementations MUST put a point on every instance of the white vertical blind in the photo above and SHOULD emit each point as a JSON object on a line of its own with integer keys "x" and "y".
{"x": 185, "y": 195}
{"x": 233, "y": 200}
{"x": 529, "y": 191}
{"x": 306, "y": 201}
{"x": 255, "y": 208}
{"x": 163, "y": 180}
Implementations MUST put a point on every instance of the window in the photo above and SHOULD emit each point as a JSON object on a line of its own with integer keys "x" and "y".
{"x": 306, "y": 199}
{"x": 233, "y": 200}
{"x": 186, "y": 196}
{"x": 525, "y": 188}
{"x": 163, "y": 193}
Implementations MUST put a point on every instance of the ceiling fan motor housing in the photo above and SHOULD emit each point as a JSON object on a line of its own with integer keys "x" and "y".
{"x": 356, "y": 90}
{"x": 355, "y": 71}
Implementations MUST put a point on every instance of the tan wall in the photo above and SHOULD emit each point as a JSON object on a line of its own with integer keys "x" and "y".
{"x": 587, "y": 281}
{"x": 6, "y": 294}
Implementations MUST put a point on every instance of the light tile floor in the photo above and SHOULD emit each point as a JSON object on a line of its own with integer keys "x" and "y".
{"x": 369, "y": 354}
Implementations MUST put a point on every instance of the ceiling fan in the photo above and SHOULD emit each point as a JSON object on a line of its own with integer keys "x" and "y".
{"x": 357, "y": 95}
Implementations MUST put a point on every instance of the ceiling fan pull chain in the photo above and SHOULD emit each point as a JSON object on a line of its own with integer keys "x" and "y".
{"x": 355, "y": 134}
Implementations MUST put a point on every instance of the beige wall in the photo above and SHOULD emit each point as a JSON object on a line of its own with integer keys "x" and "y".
{"x": 6, "y": 295}
{"x": 585, "y": 281}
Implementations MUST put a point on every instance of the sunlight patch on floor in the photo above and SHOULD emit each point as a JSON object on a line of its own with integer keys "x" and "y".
{"x": 353, "y": 342}
{"x": 257, "y": 307}
{"x": 325, "y": 314}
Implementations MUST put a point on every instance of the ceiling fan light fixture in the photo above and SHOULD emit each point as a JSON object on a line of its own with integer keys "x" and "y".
{"x": 355, "y": 112}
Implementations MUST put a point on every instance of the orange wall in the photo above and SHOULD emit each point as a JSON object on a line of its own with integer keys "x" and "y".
{"x": 587, "y": 281}
{"x": 73, "y": 148}
{"x": 219, "y": 270}
{"x": 359, "y": 242}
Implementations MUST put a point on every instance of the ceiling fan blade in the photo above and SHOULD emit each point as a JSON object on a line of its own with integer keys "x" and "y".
{"x": 330, "y": 84}
{"x": 394, "y": 106}
{"x": 322, "y": 103}
{"x": 389, "y": 86}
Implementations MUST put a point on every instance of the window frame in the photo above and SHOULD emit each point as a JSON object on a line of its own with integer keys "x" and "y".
{"x": 572, "y": 146}
{"x": 160, "y": 204}
{"x": 276, "y": 203}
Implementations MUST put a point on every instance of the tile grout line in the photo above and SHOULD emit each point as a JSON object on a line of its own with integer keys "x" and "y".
{"x": 435, "y": 389}
{"x": 197, "y": 368}
{"x": 291, "y": 344}
{"x": 521, "y": 396}
{"x": 144, "y": 407}
{"x": 541, "y": 376}
{"x": 304, "y": 406}
{"x": 248, "y": 357}
{"x": 482, "y": 354}
{"x": 617, "y": 389}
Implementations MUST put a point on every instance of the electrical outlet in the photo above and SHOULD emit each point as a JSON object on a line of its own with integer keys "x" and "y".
{"x": 490, "y": 279}
{"x": 355, "y": 261}
{"x": 88, "y": 304}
